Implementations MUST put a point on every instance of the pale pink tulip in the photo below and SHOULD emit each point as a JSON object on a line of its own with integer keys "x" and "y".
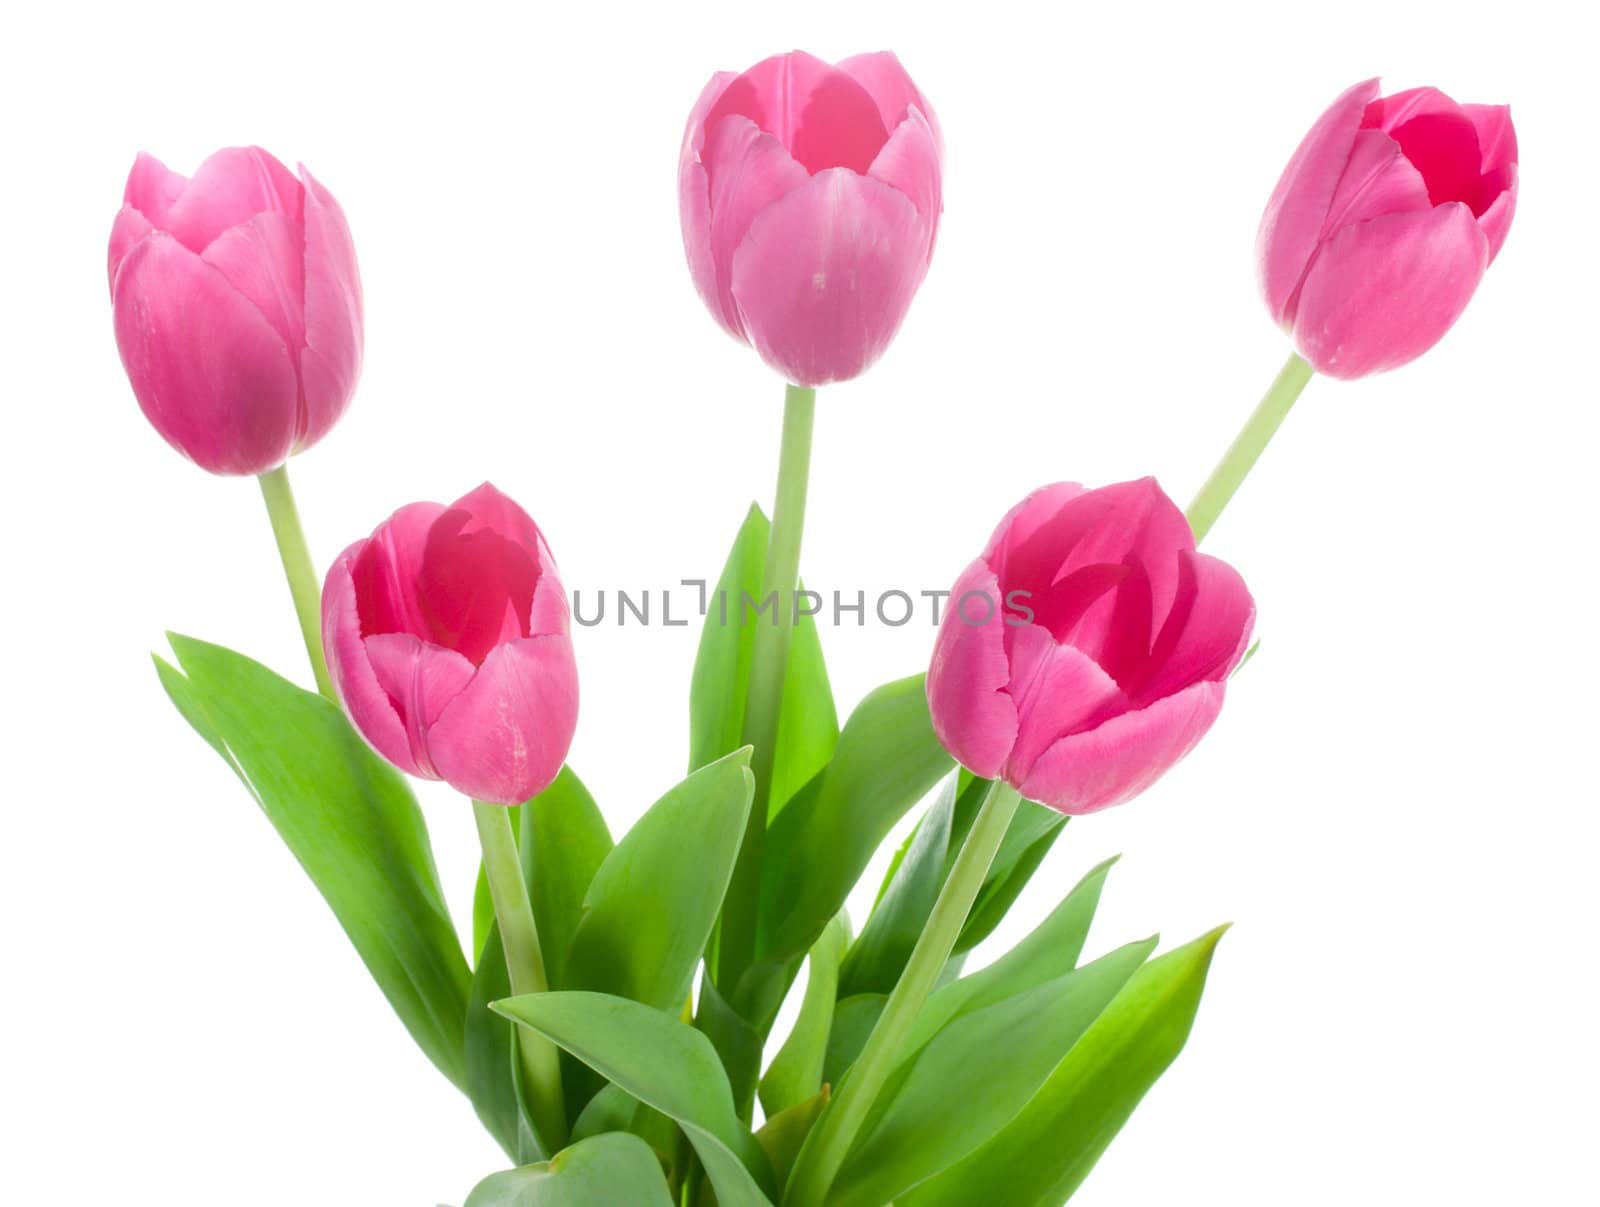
{"x": 1086, "y": 651}
{"x": 449, "y": 642}
{"x": 810, "y": 199}
{"x": 237, "y": 307}
{"x": 1383, "y": 224}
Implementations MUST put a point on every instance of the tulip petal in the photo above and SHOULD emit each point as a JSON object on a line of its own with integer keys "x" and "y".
{"x": 973, "y": 715}
{"x": 330, "y": 363}
{"x": 909, "y": 162}
{"x": 263, "y": 259}
{"x": 210, "y": 373}
{"x": 881, "y": 74}
{"x": 1125, "y": 524}
{"x": 822, "y": 115}
{"x": 1117, "y": 760}
{"x": 746, "y": 171}
{"x": 1058, "y": 690}
{"x": 232, "y": 187}
{"x": 493, "y": 510}
{"x": 826, "y": 274}
{"x": 370, "y": 708}
{"x": 1207, "y": 631}
{"x": 505, "y": 737}
{"x": 476, "y": 583}
{"x": 1388, "y": 113}
{"x": 1498, "y": 140}
{"x": 1497, "y": 137}
{"x": 152, "y": 188}
{"x": 1293, "y": 220}
{"x": 127, "y": 229}
{"x": 386, "y": 570}
{"x": 1444, "y": 148}
{"x": 694, "y": 206}
{"x": 839, "y": 127}
{"x": 1379, "y": 179}
{"x": 420, "y": 679}
{"x": 1027, "y": 517}
{"x": 1495, "y": 222}
{"x": 1383, "y": 292}
{"x": 694, "y": 130}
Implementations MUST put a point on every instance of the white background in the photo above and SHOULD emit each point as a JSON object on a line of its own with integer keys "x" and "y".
{"x": 1397, "y": 808}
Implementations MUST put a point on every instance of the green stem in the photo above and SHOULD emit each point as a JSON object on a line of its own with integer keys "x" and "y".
{"x": 829, "y": 1144}
{"x": 297, "y": 568}
{"x": 1248, "y": 445}
{"x": 519, "y": 937}
{"x": 769, "y": 660}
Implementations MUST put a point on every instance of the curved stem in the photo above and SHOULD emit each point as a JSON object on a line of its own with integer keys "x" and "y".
{"x": 829, "y": 1144}
{"x": 297, "y": 568}
{"x": 769, "y": 660}
{"x": 519, "y": 937}
{"x": 1248, "y": 445}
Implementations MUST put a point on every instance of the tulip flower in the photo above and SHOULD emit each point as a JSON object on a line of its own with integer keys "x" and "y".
{"x": 449, "y": 642}
{"x": 237, "y": 307}
{"x": 810, "y": 197}
{"x": 1086, "y": 651}
{"x": 1383, "y": 223}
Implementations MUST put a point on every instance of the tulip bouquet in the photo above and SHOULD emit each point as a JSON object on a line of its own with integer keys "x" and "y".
{"x": 609, "y": 1012}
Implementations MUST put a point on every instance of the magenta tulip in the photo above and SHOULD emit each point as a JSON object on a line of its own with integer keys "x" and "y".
{"x": 810, "y": 198}
{"x": 449, "y": 642}
{"x": 237, "y": 307}
{"x": 1383, "y": 223}
{"x": 1086, "y": 651}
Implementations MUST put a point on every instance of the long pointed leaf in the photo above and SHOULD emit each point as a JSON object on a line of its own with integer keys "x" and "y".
{"x": 650, "y": 908}
{"x": 1045, "y": 1153}
{"x": 808, "y": 726}
{"x": 350, "y": 820}
{"x": 973, "y": 1077}
{"x": 667, "y": 1065}
{"x": 887, "y": 760}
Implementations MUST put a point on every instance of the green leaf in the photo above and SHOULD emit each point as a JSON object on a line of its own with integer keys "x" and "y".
{"x": 603, "y": 1171}
{"x": 650, "y": 908}
{"x": 918, "y": 872}
{"x": 736, "y": 1041}
{"x": 1044, "y": 1154}
{"x": 665, "y": 1064}
{"x": 351, "y": 821}
{"x": 1049, "y": 951}
{"x": 887, "y": 760}
{"x": 784, "y": 1133}
{"x": 808, "y": 727}
{"x": 1033, "y": 831}
{"x": 878, "y": 957}
{"x": 973, "y": 1078}
{"x": 853, "y": 1020}
{"x": 795, "y": 1075}
{"x": 564, "y": 842}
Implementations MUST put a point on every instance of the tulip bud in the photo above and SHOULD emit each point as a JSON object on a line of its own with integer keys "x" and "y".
{"x": 810, "y": 198}
{"x": 237, "y": 306}
{"x": 449, "y": 642}
{"x": 1085, "y": 652}
{"x": 1383, "y": 223}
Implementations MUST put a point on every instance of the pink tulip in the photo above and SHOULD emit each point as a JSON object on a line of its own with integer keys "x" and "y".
{"x": 810, "y": 198}
{"x": 237, "y": 307}
{"x": 1383, "y": 223}
{"x": 1086, "y": 651}
{"x": 448, "y": 639}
